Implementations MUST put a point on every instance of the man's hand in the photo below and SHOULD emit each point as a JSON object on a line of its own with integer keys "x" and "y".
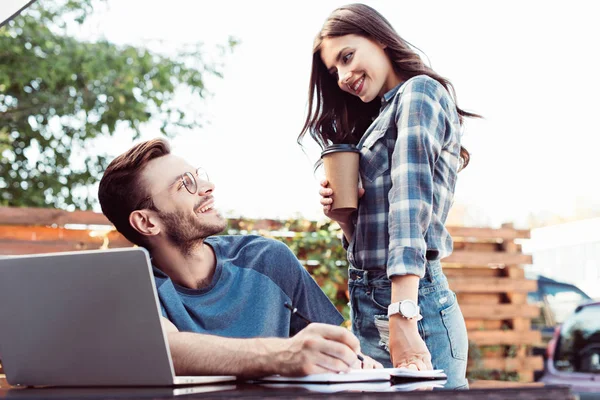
{"x": 368, "y": 363}
{"x": 318, "y": 348}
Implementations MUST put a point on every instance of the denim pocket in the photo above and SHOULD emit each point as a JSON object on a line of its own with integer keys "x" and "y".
{"x": 457, "y": 330}
{"x": 381, "y": 297}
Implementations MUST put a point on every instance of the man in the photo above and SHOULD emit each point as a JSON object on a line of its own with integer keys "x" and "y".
{"x": 222, "y": 297}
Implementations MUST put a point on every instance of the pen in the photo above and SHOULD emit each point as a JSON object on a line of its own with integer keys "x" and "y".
{"x": 294, "y": 311}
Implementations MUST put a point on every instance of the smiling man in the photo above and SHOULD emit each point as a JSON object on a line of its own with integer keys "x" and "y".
{"x": 229, "y": 286}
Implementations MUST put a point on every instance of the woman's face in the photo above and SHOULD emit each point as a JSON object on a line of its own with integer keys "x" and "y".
{"x": 359, "y": 65}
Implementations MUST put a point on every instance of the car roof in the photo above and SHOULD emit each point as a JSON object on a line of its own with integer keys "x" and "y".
{"x": 549, "y": 283}
{"x": 592, "y": 303}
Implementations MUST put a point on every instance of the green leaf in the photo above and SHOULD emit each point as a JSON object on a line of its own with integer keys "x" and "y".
{"x": 87, "y": 89}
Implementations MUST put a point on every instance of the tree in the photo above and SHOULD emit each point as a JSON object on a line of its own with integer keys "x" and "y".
{"x": 58, "y": 94}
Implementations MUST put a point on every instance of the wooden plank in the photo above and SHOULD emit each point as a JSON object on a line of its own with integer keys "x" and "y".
{"x": 495, "y": 384}
{"x": 22, "y": 247}
{"x": 477, "y": 246}
{"x": 479, "y": 324}
{"x": 521, "y": 324}
{"x": 514, "y": 271}
{"x": 526, "y": 376}
{"x": 478, "y": 258}
{"x": 15, "y": 247}
{"x": 518, "y": 298}
{"x": 499, "y": 311}
{"x": 49, "y": 216}
{"x": 513, "y": 364}
{"x": 473, "y": 272}
{"x": 478, "y": 298}
{"x": 491, "y": 285}
{"x": 488, "y": 338}
{"x": 467, "y": 268}
{"x": 44, "y": 233}
{"x": 488, "y": 233}
{"x": 493, "y": 351}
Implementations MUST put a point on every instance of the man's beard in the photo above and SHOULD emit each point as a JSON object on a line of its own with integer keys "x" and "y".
{"x": 186, "y": 231}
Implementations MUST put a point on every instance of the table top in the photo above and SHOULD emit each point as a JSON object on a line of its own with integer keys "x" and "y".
{"x": 242, "y": 390}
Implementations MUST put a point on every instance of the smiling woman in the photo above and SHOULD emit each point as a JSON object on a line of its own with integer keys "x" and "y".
{"x": 369, "y": 88}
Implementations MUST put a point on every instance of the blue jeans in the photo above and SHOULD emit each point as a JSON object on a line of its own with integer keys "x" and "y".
{"x": 442, "y": 328}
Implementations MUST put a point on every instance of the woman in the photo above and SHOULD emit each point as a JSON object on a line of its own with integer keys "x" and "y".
{"x": 369, "y": 88}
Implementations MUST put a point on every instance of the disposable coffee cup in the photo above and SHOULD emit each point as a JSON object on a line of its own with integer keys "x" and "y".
{"x": 341, "y": 171}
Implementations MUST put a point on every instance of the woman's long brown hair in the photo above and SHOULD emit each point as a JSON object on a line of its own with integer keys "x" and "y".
{"x": 335, "y": 116}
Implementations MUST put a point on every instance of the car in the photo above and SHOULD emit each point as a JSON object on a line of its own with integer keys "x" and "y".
{"x": 557, "y": 300}
{"x": 573, "y": 353}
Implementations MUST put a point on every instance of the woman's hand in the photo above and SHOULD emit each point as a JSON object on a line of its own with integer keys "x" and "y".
{"x": 326, "y": 201}
{"x": 407, "y": 348}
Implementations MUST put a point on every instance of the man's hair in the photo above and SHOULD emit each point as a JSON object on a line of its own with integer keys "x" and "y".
{"x": 121, "y": 189}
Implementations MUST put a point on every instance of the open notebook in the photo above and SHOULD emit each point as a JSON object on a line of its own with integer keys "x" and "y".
{"x": 362, "y": 375}
{"x": 377, "y": 386}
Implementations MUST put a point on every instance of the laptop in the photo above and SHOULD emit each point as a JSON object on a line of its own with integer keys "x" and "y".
{"x": 85, "y": 318}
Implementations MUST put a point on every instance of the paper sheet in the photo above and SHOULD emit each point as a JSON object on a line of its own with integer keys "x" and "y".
{"x": 362, "y": 375}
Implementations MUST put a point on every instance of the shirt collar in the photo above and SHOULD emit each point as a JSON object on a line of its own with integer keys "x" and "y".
{"x": 390, "y": 94}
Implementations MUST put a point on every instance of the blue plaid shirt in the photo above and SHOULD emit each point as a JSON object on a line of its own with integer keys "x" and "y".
{"x": 410, "y": 156}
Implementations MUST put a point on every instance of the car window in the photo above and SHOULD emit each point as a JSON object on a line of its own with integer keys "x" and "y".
{"x": 578, "y": 348}
{"x": 563, "y": 304}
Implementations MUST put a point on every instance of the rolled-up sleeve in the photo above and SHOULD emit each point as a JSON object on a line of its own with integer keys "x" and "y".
{"x": 421, "y": 123}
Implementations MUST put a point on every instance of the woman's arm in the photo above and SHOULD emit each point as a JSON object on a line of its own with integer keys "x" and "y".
{"x": 421, "y": 123}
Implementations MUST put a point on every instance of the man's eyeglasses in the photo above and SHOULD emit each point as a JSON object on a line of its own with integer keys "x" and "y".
{"x": 188, "y": 180}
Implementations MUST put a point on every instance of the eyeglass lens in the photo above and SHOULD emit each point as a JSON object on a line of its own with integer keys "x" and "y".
{"x": 190, "y": 182}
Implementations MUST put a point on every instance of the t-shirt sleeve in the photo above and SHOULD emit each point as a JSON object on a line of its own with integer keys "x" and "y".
{"x": 307, "y": 296}
{"x": 163, "y": 311}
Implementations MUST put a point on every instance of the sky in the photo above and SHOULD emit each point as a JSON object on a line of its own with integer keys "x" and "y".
{"x": 529, "y": 68}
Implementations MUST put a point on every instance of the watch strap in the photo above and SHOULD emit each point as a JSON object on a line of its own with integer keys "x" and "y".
{"x": 394, "y": 308}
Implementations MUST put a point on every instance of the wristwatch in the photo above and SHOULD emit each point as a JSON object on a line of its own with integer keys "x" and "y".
{"x": 406, "y": 308}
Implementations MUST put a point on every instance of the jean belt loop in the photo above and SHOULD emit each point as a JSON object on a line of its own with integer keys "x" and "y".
{"x": 428, "y": 276}
{"x": 365, "y": 277}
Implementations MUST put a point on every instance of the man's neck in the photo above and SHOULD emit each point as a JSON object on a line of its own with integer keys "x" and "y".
{"x": 193, "y": 271}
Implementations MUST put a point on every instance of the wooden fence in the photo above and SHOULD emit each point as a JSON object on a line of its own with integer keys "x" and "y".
{"x": 485, "y": 270}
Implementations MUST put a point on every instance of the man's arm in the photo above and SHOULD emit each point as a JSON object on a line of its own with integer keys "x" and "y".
{"x": 318, "y": 348}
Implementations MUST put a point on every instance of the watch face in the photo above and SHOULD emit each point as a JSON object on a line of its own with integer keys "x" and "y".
{"x": 408, "y": 309}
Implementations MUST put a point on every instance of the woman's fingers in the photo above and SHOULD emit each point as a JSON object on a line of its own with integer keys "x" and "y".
{"x": 420, "y": 365}
{"x": 326, "y": 201}
{"x": 428, "y": 364}
{"x": 416, "y": 364}
{"x": 325, "y": 192}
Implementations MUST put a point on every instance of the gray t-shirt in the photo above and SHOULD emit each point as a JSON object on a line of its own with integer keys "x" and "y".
{"x": 253, "y": 278}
